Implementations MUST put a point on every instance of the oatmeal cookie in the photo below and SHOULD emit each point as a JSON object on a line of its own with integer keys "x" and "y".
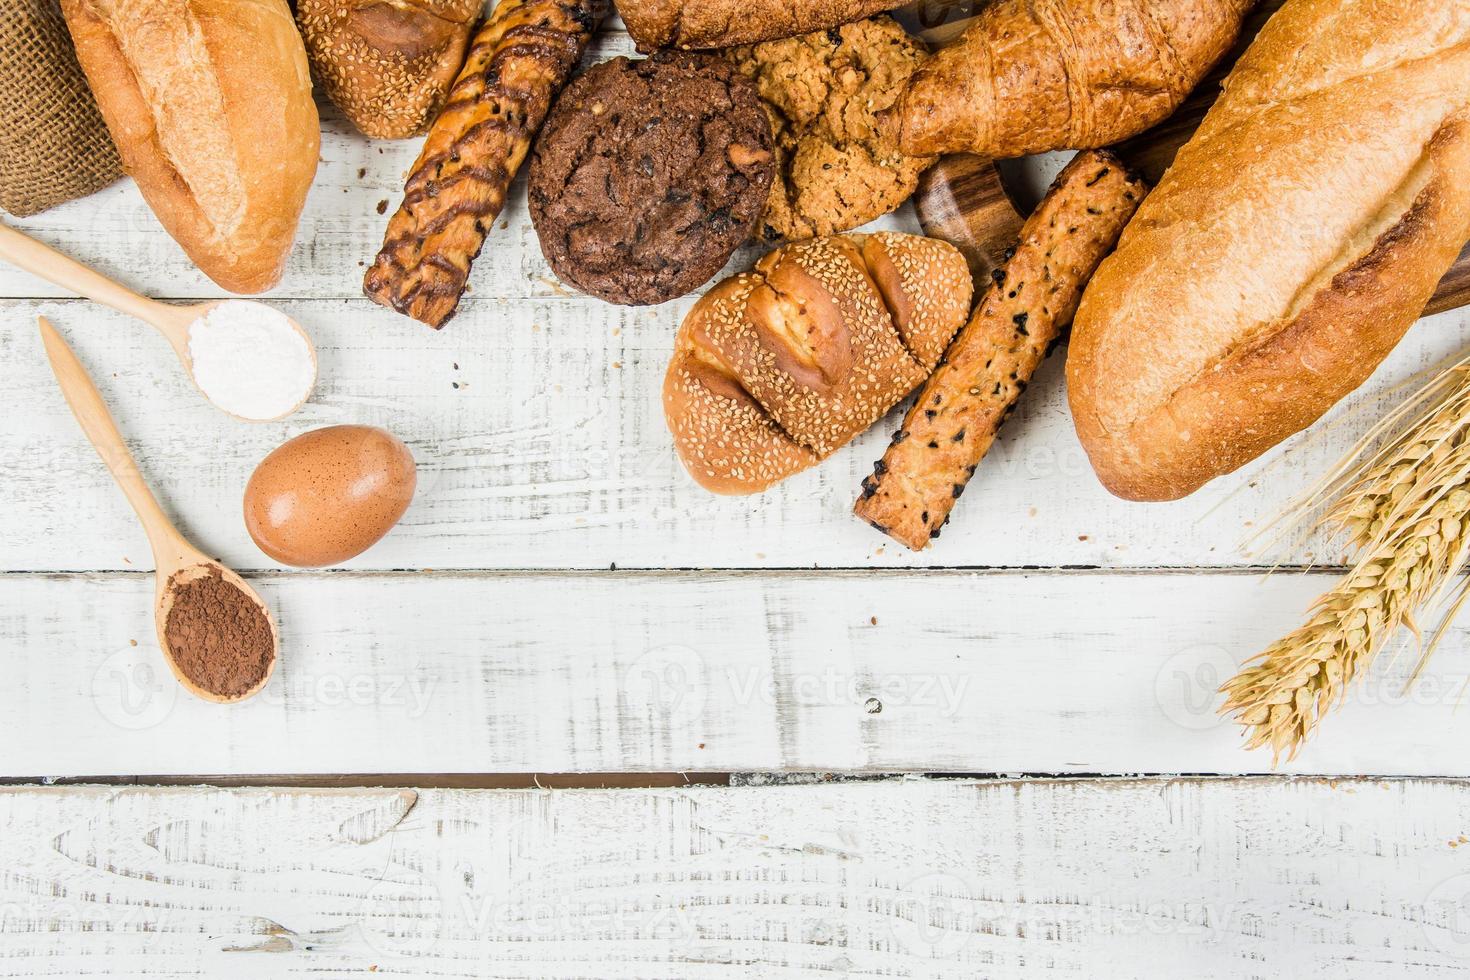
{"x": 838, "y": 162}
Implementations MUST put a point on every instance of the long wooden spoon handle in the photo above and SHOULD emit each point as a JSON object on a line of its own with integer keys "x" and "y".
{"x": 20, "y": 249}
{"x": 96, "y": 421}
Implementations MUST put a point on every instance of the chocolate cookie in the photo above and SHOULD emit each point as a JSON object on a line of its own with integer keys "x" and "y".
{"x": 649, "y": 174}
{"x": 838, "y": 161}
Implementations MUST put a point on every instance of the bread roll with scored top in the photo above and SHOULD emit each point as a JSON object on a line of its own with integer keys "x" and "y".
{"x": 387, "y": 64}
{"x": 209, "y": 103}
{"x": 777, "y": 368}
{"x": 1296, "y": 238}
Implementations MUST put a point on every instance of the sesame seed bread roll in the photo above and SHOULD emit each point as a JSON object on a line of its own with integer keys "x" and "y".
{"x": 387, "y": 64}
{"x": 1294, "y": 241}
{"x": 776, "y": 369}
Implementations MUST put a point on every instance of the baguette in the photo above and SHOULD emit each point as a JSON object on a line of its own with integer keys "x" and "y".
{"x": 209, "y": 103}
{"x": 1295, "y": 239}
{"x": 954, "y": 421}
{"x": 1034, "y": 75}
{"x": 725, "y": 23}
{"x": 519, "y": 60}
{"x": 776, "y": 369}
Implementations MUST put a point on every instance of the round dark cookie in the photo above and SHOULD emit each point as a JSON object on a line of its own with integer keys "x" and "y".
{"x": 649, "y": 174}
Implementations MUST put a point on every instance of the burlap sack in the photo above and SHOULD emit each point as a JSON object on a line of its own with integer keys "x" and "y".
{"x": 53, "y": 144}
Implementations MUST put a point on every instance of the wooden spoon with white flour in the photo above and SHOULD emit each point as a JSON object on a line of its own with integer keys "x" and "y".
{"x": 248, "y": 359}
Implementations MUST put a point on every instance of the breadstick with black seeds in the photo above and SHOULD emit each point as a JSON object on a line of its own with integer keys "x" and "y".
{"x": 988, "y": 365}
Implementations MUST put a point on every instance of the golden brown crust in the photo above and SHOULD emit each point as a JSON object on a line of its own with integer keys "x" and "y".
{"x": 725, "y": 23}
{"x": 209, "y": 103}
{"x": 519, "y": 59}
{"x": 1264, "y": 391}
{"x": 1034, "y": 75}
{"x": 954, "y": 421}
{"x": 387, "y": 64}
{"x": 1335, "y": 174}
{"x": 777, "y": 368}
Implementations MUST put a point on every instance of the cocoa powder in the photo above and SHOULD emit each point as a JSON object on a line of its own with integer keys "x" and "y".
{"x": 220, "y": 638}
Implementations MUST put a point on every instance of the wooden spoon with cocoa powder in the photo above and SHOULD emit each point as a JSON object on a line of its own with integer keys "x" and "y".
{"x": 217, "y": 635}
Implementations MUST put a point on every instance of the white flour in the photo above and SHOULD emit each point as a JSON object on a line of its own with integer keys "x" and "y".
{"x": 249, "y": 360}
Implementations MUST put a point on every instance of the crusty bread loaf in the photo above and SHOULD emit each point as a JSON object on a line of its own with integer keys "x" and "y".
{"x": 776, "y": 369}
{"x": 1295, "y": 239}
{"x": 1035, "y": 75}
{"x": 724, "y": 23}
{"x": 387, "y": 64}
{"x": 209, "y": 102}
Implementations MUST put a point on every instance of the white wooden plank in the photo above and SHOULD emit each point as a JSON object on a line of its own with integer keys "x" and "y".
{"x": 553, "y": 453}
{"x": 1209, "y": 879}
{"x": 600, "y": 672}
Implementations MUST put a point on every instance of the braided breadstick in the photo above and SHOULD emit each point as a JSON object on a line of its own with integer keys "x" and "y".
{"x": 518, "y": 61}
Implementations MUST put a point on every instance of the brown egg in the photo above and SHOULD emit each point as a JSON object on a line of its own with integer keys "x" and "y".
{"x": 329, "y": 494}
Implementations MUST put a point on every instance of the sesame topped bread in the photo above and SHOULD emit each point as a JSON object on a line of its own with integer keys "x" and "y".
{"x": 777, "y": 368}
{"x": 387, "y": 64}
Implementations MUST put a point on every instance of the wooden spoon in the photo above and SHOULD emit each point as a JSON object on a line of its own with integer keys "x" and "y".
{"x": 172, "y": 321}
{"x": 176, "y": 561}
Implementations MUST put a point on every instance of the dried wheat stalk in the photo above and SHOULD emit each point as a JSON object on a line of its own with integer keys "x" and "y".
{"x": 1405, "y": 509}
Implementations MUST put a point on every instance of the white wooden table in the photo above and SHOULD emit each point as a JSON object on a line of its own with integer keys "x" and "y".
{"x": 561, "y": 598}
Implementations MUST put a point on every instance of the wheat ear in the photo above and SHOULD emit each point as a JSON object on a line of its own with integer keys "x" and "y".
{"x": 1405, "y": 509}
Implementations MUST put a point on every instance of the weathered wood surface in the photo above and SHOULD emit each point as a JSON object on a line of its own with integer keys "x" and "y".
{"x": 666, "y": 672}
{"x": 553, "y": 453}
{"x": 1208, "y": 879}
{"x": 536, "y": 420}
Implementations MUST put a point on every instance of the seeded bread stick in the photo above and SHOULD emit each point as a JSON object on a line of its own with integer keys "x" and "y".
{"x": 988, "y": 365}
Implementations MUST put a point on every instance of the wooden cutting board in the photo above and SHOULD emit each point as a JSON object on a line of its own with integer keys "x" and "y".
{"x": 965, "y": 200}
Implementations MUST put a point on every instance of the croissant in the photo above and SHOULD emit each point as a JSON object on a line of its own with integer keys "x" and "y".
{"x": 1035, "y": 75}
